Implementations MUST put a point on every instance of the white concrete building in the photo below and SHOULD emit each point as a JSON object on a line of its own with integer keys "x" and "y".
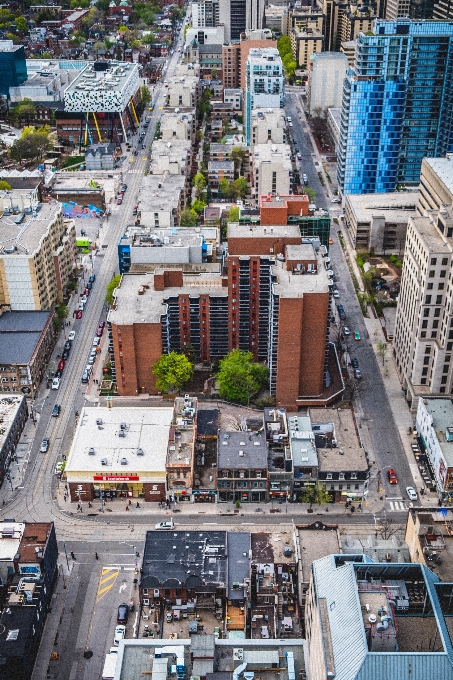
{"x": 177, "y": 126}
{"x": 160, "y": 200}
{"x": 108, "y": 91}
{"x": 233, "y": 95}
{"x": 212, "y": 35}
{"x": 271, "y": 168}
{"x": 434, "y": 424}
{"x": 268, "y": 125}
{"x": 183, "y": 90}
{"x": 264, "y": 83}
{"x": 325, "y": 85}
{"x": 172, "y": 157}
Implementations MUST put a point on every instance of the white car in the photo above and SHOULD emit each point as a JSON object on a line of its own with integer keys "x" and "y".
{"x": 84, "y": 299}
{"x": 411, "y": 493}
{"x": 120, "y": 632}
{"x": 96, "y": 341}
{"x": 336, "y": 294}
{"x": 55, "y": 383}
{"x": 335, "y": 200}
{"x": 71, "y": 336}
{"x": 346, "y": 331}
{"x": 81, "y": 306}
{"x": 164, "y": 526}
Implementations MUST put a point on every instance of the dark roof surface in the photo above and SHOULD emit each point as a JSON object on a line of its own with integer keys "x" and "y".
{"x": 241, "y": 450}
{"x": 21, "y": 619}
{"x": 207, "y": 422}
{"x": 183, "y": 555}
{"x": 238, "y": 562}
{"x": 19, "y": 334}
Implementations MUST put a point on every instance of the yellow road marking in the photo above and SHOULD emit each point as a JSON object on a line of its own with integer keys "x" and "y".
{"x": 106, "y": 575}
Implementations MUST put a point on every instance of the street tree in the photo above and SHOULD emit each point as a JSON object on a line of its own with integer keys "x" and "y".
{"x": 315, "y": 495}
{"x": 188, "y": 218}
{"x": 145, "y": 95}
{"x": 240, "y": 376}
{"x": 382, "y": 350}
{"x": 310, "y": 193}
{"x": 172, "y": 371}
{"x": 233, "y": 214}
{"x": 199, "y": 184}
{"x": 114, "y": 283}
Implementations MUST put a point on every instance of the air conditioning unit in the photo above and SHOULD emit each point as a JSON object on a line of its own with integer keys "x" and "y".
{"x": 103, "y": 461}
{"x": 121, "y": 433}
{"x": 91, "y": 452}
{"x": 98, "y": 421}
{"x": 140, "y": 452}
{"x": 123, "y": 461}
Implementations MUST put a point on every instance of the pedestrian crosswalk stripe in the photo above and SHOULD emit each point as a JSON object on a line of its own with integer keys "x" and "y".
{"x": 108, "y": 576}
{"x": 397, "y": 506}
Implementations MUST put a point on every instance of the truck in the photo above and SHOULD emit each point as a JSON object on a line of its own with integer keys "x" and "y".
{"x": 108, "y": 672}
{"x": 84, "y": 242}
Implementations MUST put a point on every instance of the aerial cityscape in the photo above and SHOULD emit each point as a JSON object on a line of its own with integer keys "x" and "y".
{"x": 226, "y": 338}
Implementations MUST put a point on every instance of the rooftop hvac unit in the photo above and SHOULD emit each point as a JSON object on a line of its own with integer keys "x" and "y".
{"x": 91, "y": 451}
{"x": 140, "y": 452}
{"x": 123, "y": 461}
{"x": 98, "y": 421}
{"x": 123, "y": 426}
{"x": 121, "y": 433}
{"x": 103, "y": 461}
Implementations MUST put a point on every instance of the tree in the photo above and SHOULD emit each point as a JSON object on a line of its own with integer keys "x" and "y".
{"x": 114, "y": 283}
{"x": 188, "y": 218}
{"x": 4, "y": 186}
{"x": 31, "y": 145}
{"x": 240, "y": 377}
{"x": 103, "y": 5}
{"x": 315, "y": 495}
{"x": 199, "y": 184}
{"x": 145, "y": 95}
{"x": 382, "y": 350}
{"x": 21, "y": 24}
{"x": 198, "y": 206}
{"x": 74, "y": 4}
{"x": 240, "y": 187}
{"x": 238, "y": 155}
{"x": 172, "y": 371}
{"x": 148, "y": 39}
{"x": 284, "y": 45}
{"x": 189, "y": 351}
{"x": 98, "y": 45}
{"x": 233, "y": 214}
{"x": 310, "y": 193}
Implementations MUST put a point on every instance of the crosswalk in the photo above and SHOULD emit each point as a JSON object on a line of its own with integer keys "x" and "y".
{"x": 397, "y": 505}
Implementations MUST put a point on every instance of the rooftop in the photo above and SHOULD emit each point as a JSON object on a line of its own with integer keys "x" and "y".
{"x": 398, "y": 204}
{"x": 348, "y": 454}
{"x": 273, "y": 153}
{"x": 221, "y": 165}
{"x": 241, "y": 450}
{"x": 34, "y": 541}
{"x": 181, "y": 449}
{"x": 236, "y": 230}
{"x": 207, "y": 422}
{"x": 238, "y": 562}
{"x": 281, "y": 201}
{"x": 164, "y": 153}
{"x": 295, "y": 284}
{"x": 189, "y": 557}
{"x": 142, "y": 448}
{"x": 268, "y": 547}
{"x": 430, "y": 235}
{"x": 25, "y": 237}
{"x": 302, "y": 442}
{"x": 316, "y": 541}
{"x": 443, "y": 167}
{"x": 159, "y": 195}
{"x": 441, "y": 411}
{"x": 110, "y": 89}
{"x": 19, "y": 334}
{"x": 9, "y": 407}
{"x": 10, "y": 537}
{"x": 149, "y": 307}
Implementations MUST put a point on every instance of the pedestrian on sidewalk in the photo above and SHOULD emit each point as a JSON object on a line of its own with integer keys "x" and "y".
{"x": 127, "y": 507}
{"x": 138, "y": 504}
{"x": 96, "y": 555}
{"x": 130, "y": 502}
{"x": 72, "y": 555}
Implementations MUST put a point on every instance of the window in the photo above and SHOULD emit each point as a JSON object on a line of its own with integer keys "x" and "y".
{"x": 437, "y": 312}
{"x": 445, "y": 368}
{"x": 427, "y": 349}
{"x": 429, "y": 286}
{"x": 444, "y": 261}
{"x": 426, "y": 311}
{"x": 443, "y": 273}
{"x": 433, "y": 261}
{"x": 329, "y": 475}
{"x": 441, "y": 286}
{"x": 341, "y": 475}
{"x": 431, "y": 273}
{"x": 425, "y": 371}
{"x": 449, "y": 346}
{"x": 426, "y": 361}
{"x": 425, "y": 323}
{"x": 443, "y": 380}
{"x": 428, "y": 299}
{"x": 438, "y": 300}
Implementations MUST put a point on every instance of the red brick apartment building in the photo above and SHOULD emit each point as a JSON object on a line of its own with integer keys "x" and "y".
{"x": 275, "y": 303}
{"x": 276, "y": 209}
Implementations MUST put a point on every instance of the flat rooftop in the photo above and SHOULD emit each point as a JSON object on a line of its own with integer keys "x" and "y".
{"x": 316, "y": 541}
{"x": 272, "y": 201}
{"x": 19, "y": 334}
{"x": 291, "y": 285}
{"x": 175, "y": 150}
{"x": 180, "y": 452}
{"x": 148, "y": 308}
{"x": 273, "y": 153}
{"x": 399, "y": 204}
{"x": 269, "y": 546}
{"x": 108, "y": 90}
{"x": 9, "y": 407}
{"x": 443, "y": 167}
{"x": 353, "y": 457}
{"x": 158, "y": 195}
{"x": 246, "y": 450}
{"x": 10, "y": 537}
{"x": 302, "y": 442}
{"x": 26, "y": 236}
{"x": 146, "y": 429}
{"x": 430, "y": 235}
{"x": 441, "y": 411}
{"x": 236, "y": 230}
{"x": 189, "y": 557}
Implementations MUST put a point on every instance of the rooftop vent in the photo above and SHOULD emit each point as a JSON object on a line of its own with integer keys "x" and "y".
{"x": 91, "y": 451}
{"x": 140, "y": 452}
{"x": 121, "y": 433}
{"x": 103, "y": 461}
{"x": 98, "y": 421}
{"x": 123, "y": 461}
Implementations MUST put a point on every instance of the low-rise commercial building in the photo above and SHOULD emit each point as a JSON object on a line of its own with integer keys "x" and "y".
{"x": 303, "y": 453}
{"x": 26, "y": 343}
{"x": 434, "y": 424}
{"x": 280, "y": 208}
{"x": 178, "y": 126}
{"x": 181, "y": 449}
{"x": 13, "y": 416}
{"x": 160, "y": 200}
{"x": 233, "y": 95}
{"x": 170, "y": 157}
{"x": 242, "y": 467}
{"x": 377, "y": 223}
{"x": 37, "y": 252}
{"x": 183, "y": 90}
{"x": 120, "y": 452}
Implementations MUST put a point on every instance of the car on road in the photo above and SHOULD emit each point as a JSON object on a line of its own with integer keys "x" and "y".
{"x": 85, "y": 377}
{"x": 79, "y": 314}
{"x": 120, "y": 632}
{"x": 59, "y": 467}
{"x": 357, "y": 374}
{"x": 135, "y": 210}
{"x": 119, "y": 200}
{"x": 92, "y": 359}
{"x": 61, "y": 365}
{"x": 356, "y": 335}
{"x": 304, "y": 178}
{"x": 65, "y": 354}
{"x": 123, "y": 612}
{"x": 391, "y": 474}
{"x": 56, "y": 411}
{"x": 335, "y": 200}
{"x": 164, "y": 526}
{"x": 101, "y": 324}
{"x": 341, "y": 312}
{"x": 354, "y": 363}
{"x": 143, "y": 146}
{"x": 99, "y": 332}
{"x": 299, "y": 156}
{"x": 336, "y": 294}
{"x": 81, "y": 306}
{"x": 96, "y": 341}
{"x": 44, "y": 445}
{"x": 55, "y": 383}
{"x": 124, "y": 188}
{"x": 346, "y": 331}
{"x": 71, "y": 336}
{"x": 67, "y": 345}
{"x": 411, "y": 493}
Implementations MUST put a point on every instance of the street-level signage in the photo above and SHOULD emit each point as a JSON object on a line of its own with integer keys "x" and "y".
{"x": 108, "y": 478}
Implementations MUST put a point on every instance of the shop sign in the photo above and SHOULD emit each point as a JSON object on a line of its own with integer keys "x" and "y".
{"x": 109, "y": 478}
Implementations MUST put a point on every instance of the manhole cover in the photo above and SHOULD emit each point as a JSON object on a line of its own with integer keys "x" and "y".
{"x": 88, "y": 654}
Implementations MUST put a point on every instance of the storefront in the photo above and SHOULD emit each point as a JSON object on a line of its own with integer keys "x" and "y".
{"x": 182, "y": 496}
{"x": 209, "y": 496}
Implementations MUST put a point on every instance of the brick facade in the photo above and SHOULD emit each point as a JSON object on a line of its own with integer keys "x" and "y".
{"x": 136, "y": 349}
{"x": 275, "y": 210}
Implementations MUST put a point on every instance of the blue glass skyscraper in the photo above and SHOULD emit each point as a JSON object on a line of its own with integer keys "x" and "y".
{"x": 397, "y": 105}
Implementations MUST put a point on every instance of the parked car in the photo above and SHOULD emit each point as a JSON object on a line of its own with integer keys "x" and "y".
{"x": 56, "y": 411}
{"x": 120, "y": 632}
{"x": 87, "y": 292}
{"x": 81, "y": 306}
{"x": 122, "y": 613}
{"x": 392, "y": 476}
{"x": 99, "y": 332}
{"x": 96, "y": 341}
{"x": 304, "y": 178}
{"x": 71, "y": 336}
{"x": 84, "y": 299}
{"x": 335, "y": 200}
{"x": 85, "y": 377}
{"x": 61, "y": 365}
{"x": 44, "y": 445}
{"x": 356, "y": 335}
{"x": 341, "y": 312}
{"x": 330, "y": 240}
{"x": 357, "y": 374}
{"x": 55, "y": 384}
{"x": 164, "y": 526}
{"x": 92, "y": 359}
{"x": 124, "y": 188}
{"x": 119, "y": 200}
{"x": 101, "y": 324}
{"x": 65, "y": 354}
{"x": 336, "y": 294}
{"x": 67, "y": 345}
{"x": 355, "y": 363}
{"x": 299, "y": 156}
{"x": 411, "y": 493}
{"x": 92, "y": 278}
{"x": 59, "y": 467}
{"x": 346, "y": 331}
{"x": 143, "y": 146}
{"x": 79, "y": 314}
{"x": 59, "y": 373}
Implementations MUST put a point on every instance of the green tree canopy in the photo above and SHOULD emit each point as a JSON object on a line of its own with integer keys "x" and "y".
{"x": 233, "y": 214}
{"x": 188, "y": 218}
{"x": 240, "y": 376}
{"x": 148, "y": 39}
{"x": 145, "y": 95}
{"x": 310, "y": 193}
{"x": 284, "y": 45}
{"x": 4, "y": 186}
{"x": 315, "y": 495}
{"x": 240, "y": 187}
{"x": 238, "y": 155}
{"x": 24, "y": 111}
{"x": 172, "y": 371}
{"x": 114, "y": 283}
{"x": 199, "y": 183}
{"x": 21, "y": 24}
{"x": 198, "y": 206}
{"x": 31, "y": 145}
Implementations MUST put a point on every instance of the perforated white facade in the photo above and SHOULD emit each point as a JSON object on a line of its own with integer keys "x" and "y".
{"x": 103, "y": 91}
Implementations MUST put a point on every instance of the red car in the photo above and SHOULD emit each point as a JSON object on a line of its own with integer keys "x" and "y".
{"x": 101, "y": 324}
{"x": 61, "y": 365}
{"x": 393, "y": 479}
{"x": 79, "y": 314}
{"x": 87, "y": 292}
{"x": 119, "y": 200}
